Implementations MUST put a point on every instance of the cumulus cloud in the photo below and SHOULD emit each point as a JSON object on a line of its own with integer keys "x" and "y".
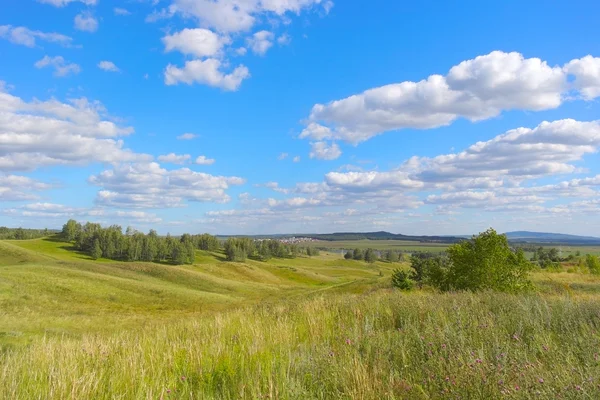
{"x": 197, "y": 42}
{"x": 18, "y": 188}
{"x": 284, "y": 39}
{"x": 187, "y": 136}
{"x": 61, "y": 212}
{"x": 61, "y": 67}
{"x": 86, "y": 22}
{"x": 296, "y": 159}
{"x": 261, "y": 42}
{"x": 27, "y": 37}
{"x": 203, "y": 160}
{"x": 236, "y": 16}
{"x": 173, "y": 158}
{"x": 46, "y": 133}
{"x": 147, "y": 185}
{"x": 325, "y": 151}
{"x": 475, "y": 89}
{"x": 206, "y": 72}
{"x": 108, "y": 66}
{"x": 282, "y": 156}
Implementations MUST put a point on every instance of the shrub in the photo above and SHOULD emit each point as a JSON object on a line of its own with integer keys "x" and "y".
{"x": 401, "y": 280}
{"x": 593, "y": 264}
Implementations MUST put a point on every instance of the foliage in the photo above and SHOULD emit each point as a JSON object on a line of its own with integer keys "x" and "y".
{"x": 391, "y": 256}
{"x": 592, "y": 263}
{"x": 370, "y": 256}
{"x": 401, "y": 280}
{"x": 358, "y": 254}
{"x": 484, "y": 262}
{"x": 349, "y": 255}
{"x": 22, "y": 234}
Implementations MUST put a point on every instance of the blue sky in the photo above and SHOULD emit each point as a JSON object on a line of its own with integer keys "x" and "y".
{"x": 283, "y": 116}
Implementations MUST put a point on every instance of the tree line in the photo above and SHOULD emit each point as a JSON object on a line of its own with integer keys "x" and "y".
{"x": 239, "y": 249}
{"x": 21, "y": 233}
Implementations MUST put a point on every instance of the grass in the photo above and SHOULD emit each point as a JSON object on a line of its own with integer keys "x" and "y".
{"x": 398, "y": 245}
{"x": 306, "y": 328}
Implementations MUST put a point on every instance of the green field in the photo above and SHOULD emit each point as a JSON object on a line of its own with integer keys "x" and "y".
{"x": 398, "y": 245}
{"x": 304, "y": 328}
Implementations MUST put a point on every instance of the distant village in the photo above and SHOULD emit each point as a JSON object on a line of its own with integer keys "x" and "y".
{"x": 291, "y": 240}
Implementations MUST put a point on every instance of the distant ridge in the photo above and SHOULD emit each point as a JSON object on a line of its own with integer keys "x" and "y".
{"x": 557, "y": 238}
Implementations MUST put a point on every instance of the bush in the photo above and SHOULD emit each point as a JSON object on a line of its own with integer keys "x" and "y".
{"x": 485, "y": 262}
{"x": 349, "y": 255}
{"x": 401, "y": 280}
{"x": 593, "y": 264}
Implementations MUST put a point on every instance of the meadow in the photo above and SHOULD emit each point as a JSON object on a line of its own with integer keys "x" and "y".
{"x": 304, "y": 328}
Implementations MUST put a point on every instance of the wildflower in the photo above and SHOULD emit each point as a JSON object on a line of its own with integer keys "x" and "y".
{"x": 501, "y": 382}
{"x": 541, "y": 380}
{"x": 517, "y": 388}
{"x": 183, "y": 378}
{"x": 577, "y": 387}
{"x": 447, "y": 379}
{"x": 348, "y": 341}
{"x": 443, "y": 345}
{"x": 545, "y": 347}
{"x": 515, "y": 337}
{"x": 478, "y": 361}
{"x": 168, "y": 391}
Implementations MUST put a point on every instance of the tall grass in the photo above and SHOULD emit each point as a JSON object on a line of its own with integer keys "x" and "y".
{"x": 385, "y": 345}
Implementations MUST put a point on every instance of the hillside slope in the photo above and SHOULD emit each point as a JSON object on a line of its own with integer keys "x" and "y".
{"x": 47, "y": 288}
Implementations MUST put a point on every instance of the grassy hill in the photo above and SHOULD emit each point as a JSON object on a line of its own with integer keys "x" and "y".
{"x": 305, "y": 328}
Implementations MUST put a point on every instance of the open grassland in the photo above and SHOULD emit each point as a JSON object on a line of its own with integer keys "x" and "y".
{"x": 398, "y": 245}
{"x": 305, "y": 328}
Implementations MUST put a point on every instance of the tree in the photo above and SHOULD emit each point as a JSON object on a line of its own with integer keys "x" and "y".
{"x": 391, "y": 256}
{"x": 96, "y": 252}
{"x": 358, "y": 254}
{"x": 592, "y": 263}
{"x": 370, "y": 256}
{"x": 401, "y": 280}
{"x": 349, "y": 255}
{"x": 486, "y": 262}
{"x": 70, "y": 230}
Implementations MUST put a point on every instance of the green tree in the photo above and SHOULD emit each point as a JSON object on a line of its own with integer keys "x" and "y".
{"x": 592, "y": 263}
{"x": 486, "y": 262}
{"x": 96, "y": 252}
{"x": 391, "y": 256}
{"x": 349, "y": 255}
{"x": 70, "y": 230}
{"x": 370, "y": 256}
{"x": 358, "y": 254}
{"x": 401, "y": 280}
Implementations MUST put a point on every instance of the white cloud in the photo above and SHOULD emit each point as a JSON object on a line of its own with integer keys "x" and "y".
{"x": 187, "y": 136}
{"x": 236, "y": 16}
{"x": 19, "y": 188}
{"x": 26, "y": 37}
{"x": 197, "y": 42}
{"x": 86, "y": 22}
{"x": 147, "y": 185}
{"x": 325, "y": 151}
{"x": 260, "y": 42}
{"x": 586, "y": 71}
{"x": 296, "y": 159}
{"x": 173, "y": 158}
{"x": 61, "y": 67}
{"x": 284, "y": 39}
{"x": 61, "y": 212}
{"x": 206, "y": 72}
{"x": 121, "y": 11}
{"x": 203, "y": 160}
{"x": 241, "y": 51}
{"x": 45, "y": 133}
{"x": 108, "y": 66}
{"x": 62, "y": 3}
{"x": 282, "y": 156}
{"x": 475, "y": 89}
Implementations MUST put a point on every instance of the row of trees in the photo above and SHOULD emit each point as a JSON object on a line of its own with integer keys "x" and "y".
{"x": 370, "y": 255}
{"x": 238, "y": 249}
{"x": 21, "y": 233}
{"x": 484, "y": 262}
{"x": 111, "y": 243}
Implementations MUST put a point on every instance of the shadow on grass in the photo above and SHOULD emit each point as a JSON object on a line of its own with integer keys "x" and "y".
{"x": 70, "y": 247}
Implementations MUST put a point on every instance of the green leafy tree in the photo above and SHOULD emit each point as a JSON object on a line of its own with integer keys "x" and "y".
{"x": 349, "y": 255}
{"x": 370, "y": 256}
{"x": 358, "y": 254}
{"x": 593, "y": 264}
{"x": 70, "y": 230}
{"x": 486, "y": 262}
{"x": 96, "y": 252}
{"x": 391, "y": 256}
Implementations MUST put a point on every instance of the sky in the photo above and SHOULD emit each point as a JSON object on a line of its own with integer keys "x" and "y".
{"x": 301, "y": 116}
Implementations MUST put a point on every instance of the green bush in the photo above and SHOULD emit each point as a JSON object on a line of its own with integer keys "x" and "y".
{"x": 401, "y": 280}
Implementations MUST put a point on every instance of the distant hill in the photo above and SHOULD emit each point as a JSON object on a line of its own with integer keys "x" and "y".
{"x": 382, "y": 236}
{"x": 557, "y": 238}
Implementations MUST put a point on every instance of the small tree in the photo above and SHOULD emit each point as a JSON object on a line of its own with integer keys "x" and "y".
{"x": 96, "y": 252}
{"x": 592, "y": 263}
{"x": 401, "y": 280}
{"x": 370, "y": 256}
{"x": 486, "y": 262}
{"x": 358, "y": 254}
{"x": 391, "y": 256}
{"x": 349, "y": 255}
